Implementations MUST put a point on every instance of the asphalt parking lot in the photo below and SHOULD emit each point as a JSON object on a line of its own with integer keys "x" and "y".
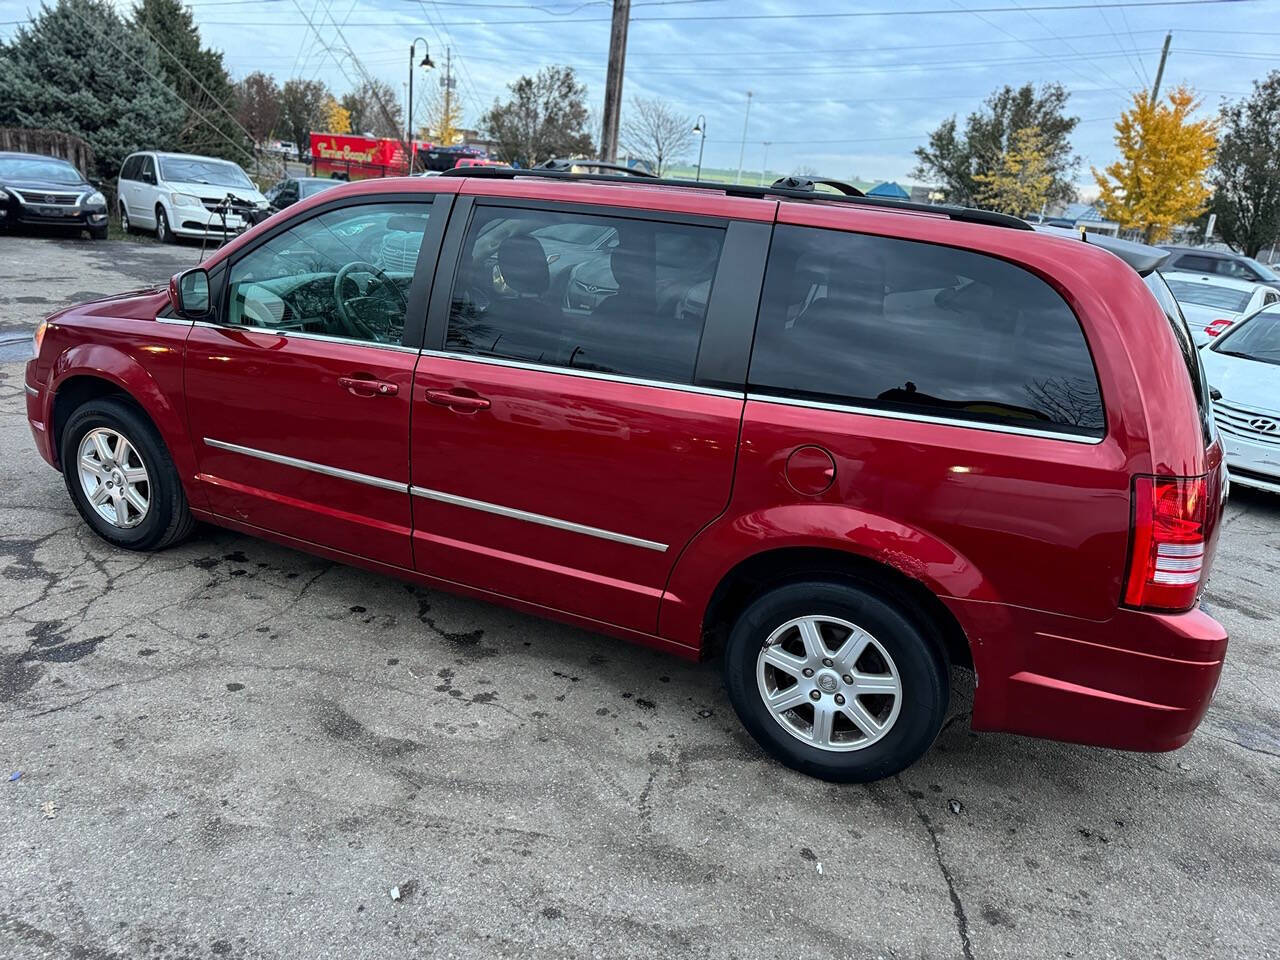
{"x": 233, "y": 750}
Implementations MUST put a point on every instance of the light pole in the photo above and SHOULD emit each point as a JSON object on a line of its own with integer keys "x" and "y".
{"x": 764, "y": 166}
{"x": 742, "y": 150}
{"x": 700, "y": 128}
{"x": 426, "y": 62}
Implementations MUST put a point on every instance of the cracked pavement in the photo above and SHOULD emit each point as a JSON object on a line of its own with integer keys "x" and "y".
{"x": 234, "y": 750}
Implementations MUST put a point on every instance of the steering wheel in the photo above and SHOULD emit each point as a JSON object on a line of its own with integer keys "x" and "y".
{"x": 354, "y": 324}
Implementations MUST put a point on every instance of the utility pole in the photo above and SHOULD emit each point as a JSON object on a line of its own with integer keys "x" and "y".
{"x": 1164, "y": 55}
{"x": 764, "y": 166}
{"x": 446, "y": 121}
{"x": 742, "y": 150}
{"x": 613, "y": 80}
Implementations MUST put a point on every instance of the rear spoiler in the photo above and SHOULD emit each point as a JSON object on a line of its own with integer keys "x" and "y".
{"x": 1144, "y": 259}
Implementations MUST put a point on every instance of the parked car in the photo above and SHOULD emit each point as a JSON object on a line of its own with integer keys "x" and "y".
{"x": 870, "y": 439}
{"x": 36, "y": 190}
{"x": 182, "y": 195}
{"x": 289, "y": 191}
{"x": 1234, "y": 265}
{"x": 1212, "y": 303}
{"x": 1243, "y": 368}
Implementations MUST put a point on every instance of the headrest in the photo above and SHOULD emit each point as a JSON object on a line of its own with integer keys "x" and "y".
{"x": 629, "y": 269}
{"x": 523, "y": 265}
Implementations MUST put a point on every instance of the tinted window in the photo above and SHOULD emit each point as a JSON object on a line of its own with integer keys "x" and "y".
{"x": 1194, "y": 263}
{"x": 900, "y": 325}
{"x": 130, "y": 169}
{"x": 345, "y": 273}
{"x": 1208, "y": 295}
{"x": 1186, "y": 346}
{"x": 148, "y": 171}
{"x": 594, "y": 293}
{"x": 1231, "y": 268}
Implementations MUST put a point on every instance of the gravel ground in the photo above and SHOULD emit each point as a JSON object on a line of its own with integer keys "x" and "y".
{"x": 234, "y": 750}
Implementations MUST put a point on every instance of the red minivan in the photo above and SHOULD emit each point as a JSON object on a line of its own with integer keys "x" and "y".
{"x": 843, "y": 443}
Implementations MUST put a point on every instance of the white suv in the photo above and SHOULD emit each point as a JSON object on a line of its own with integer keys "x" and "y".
{"x": 181, "y": 195}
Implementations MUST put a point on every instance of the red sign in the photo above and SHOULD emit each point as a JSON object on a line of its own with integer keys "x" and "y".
{"x": 359, "y": 157}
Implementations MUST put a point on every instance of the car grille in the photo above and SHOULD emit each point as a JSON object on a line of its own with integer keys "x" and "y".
{"x": 241, "y": 208}
{"x": 59, "y": 198}
{"x": 1247, "y": 424}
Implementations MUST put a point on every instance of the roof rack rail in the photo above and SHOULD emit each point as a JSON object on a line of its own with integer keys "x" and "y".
{"x": 959, "y": 214}
{"x": 566, "y": 165}
{"x": 805, "y": 183}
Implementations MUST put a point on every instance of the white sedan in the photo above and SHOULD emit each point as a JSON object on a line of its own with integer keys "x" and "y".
{"x": 1212, "y": 304}
{"x": 1243, "y": 370}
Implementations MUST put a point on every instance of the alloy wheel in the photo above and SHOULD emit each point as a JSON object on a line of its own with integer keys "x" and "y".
{"x": 829, "y": 683}
{"x": 124, "y": 219}
{"x": 113, "y": 477}
{"x": 162, "y": 225}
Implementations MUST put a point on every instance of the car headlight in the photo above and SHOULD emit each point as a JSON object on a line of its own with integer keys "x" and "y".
{"x": 185, "y": 200}
{"x": 262, "y": 204}
{"x": 38, "y": 337}
{"x": 95, "y": 199}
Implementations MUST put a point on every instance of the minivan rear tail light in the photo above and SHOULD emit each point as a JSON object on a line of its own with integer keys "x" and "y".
{"x": 1218, "y": 326}
{"x": 1166, "y": 555}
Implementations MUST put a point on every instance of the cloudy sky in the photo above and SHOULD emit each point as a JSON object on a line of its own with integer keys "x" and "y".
{"x": 846, "y": 88}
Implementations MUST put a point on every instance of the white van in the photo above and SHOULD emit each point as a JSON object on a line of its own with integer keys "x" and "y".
{"x": 181, "y": 195}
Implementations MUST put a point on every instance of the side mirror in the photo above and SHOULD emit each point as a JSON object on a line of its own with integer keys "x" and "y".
{"x": 189, "y": 294}
{"x": 1215, "y": 393}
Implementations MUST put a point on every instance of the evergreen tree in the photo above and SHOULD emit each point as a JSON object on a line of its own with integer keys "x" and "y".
{"x": 78, "y": 68}
{"x": 199, "y": 78}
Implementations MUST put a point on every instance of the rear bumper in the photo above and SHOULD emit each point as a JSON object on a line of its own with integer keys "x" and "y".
{"x": 1139, "y": 681}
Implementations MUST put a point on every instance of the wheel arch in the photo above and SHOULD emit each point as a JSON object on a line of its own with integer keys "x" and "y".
{"x": 91, "y": 371}
{"x": 780, "y": 566}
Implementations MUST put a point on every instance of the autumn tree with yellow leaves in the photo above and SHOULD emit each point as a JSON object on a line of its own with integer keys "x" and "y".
{"x": 337, "y": 118}
{"x": 1021, "y": 179}
{"x": 1161, "y": 178}
{"x": 444, "y": 120}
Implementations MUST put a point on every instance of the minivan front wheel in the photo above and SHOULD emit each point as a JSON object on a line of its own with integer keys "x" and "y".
{"x": 836, "y": 681}
{"x": 163, "y": 233}
{"x": 121, "y": 478}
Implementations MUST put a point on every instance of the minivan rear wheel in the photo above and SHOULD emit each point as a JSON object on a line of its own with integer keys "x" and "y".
{"x": 836, "y": 681}
{"x": 125, "y": 226}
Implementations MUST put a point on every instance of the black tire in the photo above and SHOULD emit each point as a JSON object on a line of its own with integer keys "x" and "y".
{"x": 98, "y": 233}
{"x": 920, "y": 660}
{"x": 125, "y": 226}
{"x": 167, "y": 519}
{"x": 163, "y": 233}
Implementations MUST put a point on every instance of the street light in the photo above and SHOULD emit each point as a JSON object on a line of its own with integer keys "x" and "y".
{"x": 426, "y": 62}
{"x": 700, "y": 128}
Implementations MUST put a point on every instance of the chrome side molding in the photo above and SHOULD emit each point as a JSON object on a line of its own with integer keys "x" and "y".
{"x": 485, "y": 507}
{"x": 328, "y": 471}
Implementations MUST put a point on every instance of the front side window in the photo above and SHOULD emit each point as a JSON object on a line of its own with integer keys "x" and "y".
{"x": 345, "y": 273}
{"x": 905, "y": 326}
{"x": 604, "y": 294}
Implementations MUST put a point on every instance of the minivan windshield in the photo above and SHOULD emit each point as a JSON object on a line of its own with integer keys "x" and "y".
{"x": 217, "y": 173}
{"x": 1209, "y": 295}
{"x": 1257, "y": 339}
{"x": 38, "y": 168}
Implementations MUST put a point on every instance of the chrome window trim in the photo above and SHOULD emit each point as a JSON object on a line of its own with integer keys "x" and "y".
{"x": 925, "y": 418}
{"x": 303, "y": 335}
{"x": 175, "y": 321}
{"x": 321, "y": 468}
{"x": 31, "y": 391}
{"x": 511, "y": 512}
{"x": 584, "y": 374}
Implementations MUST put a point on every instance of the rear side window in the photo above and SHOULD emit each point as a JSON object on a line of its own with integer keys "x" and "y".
{"x": 919, "y": 328}
{"x": 130, "y": 169}
{"x": 1194, "y": 263}
{"x": 607, "y": 294}
{"x": 1186, "y": 346}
